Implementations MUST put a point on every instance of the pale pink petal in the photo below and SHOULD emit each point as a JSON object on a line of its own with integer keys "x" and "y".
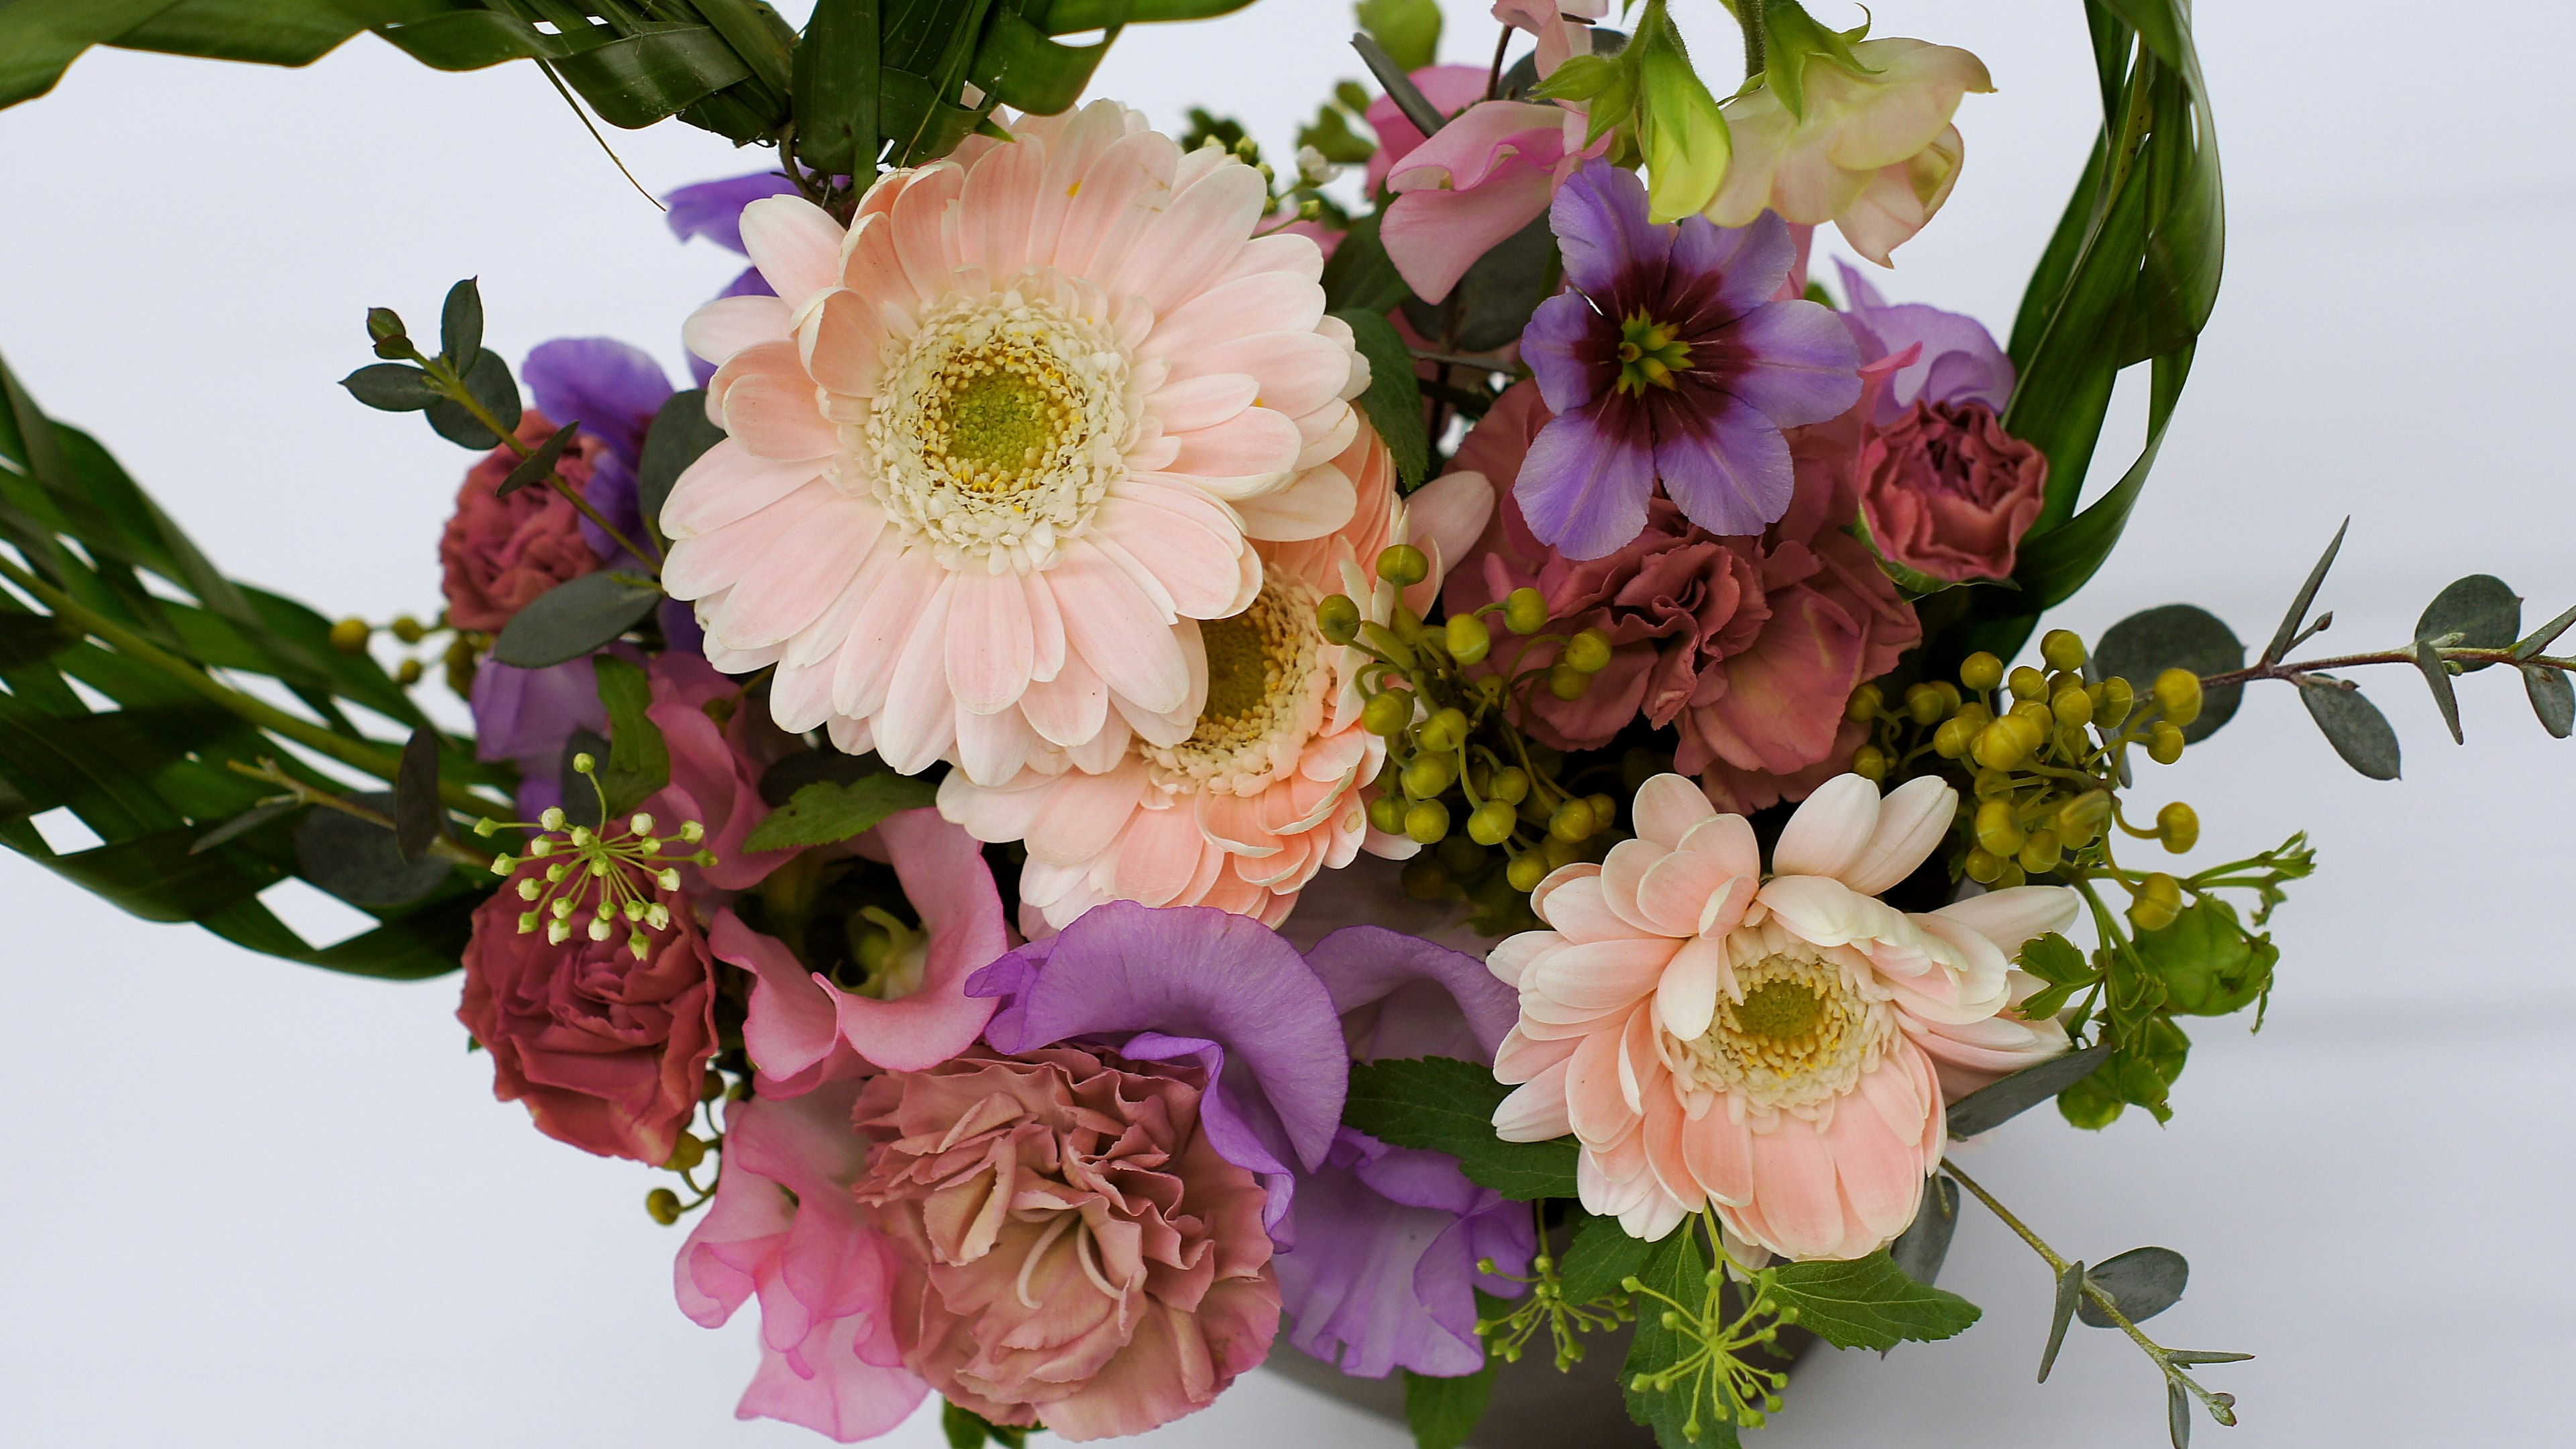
{"x": 1622, "y": 871}
{"x": 1321, "y": 501}
{"x": 1084, "y": 814}
{"x": 1193, "y": 241}
{"x": 1262, "y": 302}
{"x": 721, "y": 559}
{"x": 1594, "y": 1105}
{"x": 727, "y": 484}
{"x": 1578, "y": 911}
{"x": 1601, "y": 974}
{"x": 991, "y": 644}
{"x": 917, "y": 724}
{"x": 1675, "y": 891}
{"x": 794, "y": 586}
{"x": 1795, "y": 1187}
{"x": 769, "y": 405}
{"x": 1203, "y": 401}
{"x": 1912, "y": 820}
{"x": 2012, "y": 917}
{"x": 1536, "y": 1112}
{"x": 795, "y": 243}
{"x": 1830, "y": 830}
{"x": 1249, "y": 451}
{"x": 1294, "y": 372}
{"x": 727, "y": 325}
{"x": 945, "y": 880}
{"x": 1686, "y": 997}
{"x": 992, "y": 748}
{"x": 1120, "y": 194}
{"x": 839, "y": 342}
{"x": 1070, "y": 708}
{"x": 1512, "y": 953}
{"x": 1159, "y": 855}
{"x": 1118, "y": 631}
{"x": 1666, "y": 808}
{"x": 1719, "y": 1152}
{"x": 1729, "y": 838}
{"x": 1829, "y": 913}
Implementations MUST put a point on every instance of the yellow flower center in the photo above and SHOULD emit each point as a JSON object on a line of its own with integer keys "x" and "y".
{"x": 1800, "y": 1033}
{"x": 1261, "y": 673}
{"x": 1649, "y": 353}
{"x": 998, "y": 416}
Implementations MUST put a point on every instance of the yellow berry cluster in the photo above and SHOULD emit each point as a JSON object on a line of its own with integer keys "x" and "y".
{"x": 353, "y": 636}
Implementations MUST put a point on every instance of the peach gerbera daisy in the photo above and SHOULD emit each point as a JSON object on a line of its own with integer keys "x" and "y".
{"x": 995, "y": 445}
{"x": 1266, "y": 791}
{"x": 1773, "y": 1048}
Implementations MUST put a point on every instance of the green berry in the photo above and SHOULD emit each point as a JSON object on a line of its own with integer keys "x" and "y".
{"x": 1567, "y": 682}
{"x": 1525, "y": 611}
{"x": 1469, "y": 640}
{"x": 1386, "y": 815}
{"x": 2062, "y": 649}
{"x": 1427, "y": 823}
{"x": 1338, "y": 618}
{"x": 1492, "y": 823}
{"x": 1526, "y": 871}
{"x": 1588, "y": 651}
{"x": 1511, "y": 785}
{"x": 1403, "y": 565}
{"x": 1386, "y": 715}
{"x": 1571, "y": 822}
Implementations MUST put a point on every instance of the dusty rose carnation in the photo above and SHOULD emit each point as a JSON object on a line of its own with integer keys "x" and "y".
{"x": 1948, "y": 492}
{"x": 606, "y": 1051}
{"x": 1750, "y": 645}
{"x": 500, "y": 553}
{"x": 1072, "y": 1248}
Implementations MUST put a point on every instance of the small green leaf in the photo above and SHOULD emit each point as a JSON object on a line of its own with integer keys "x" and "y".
{"x": 639, "y": 759}
{"x": 1601, "y": 1257}
{"x": 1920, "y": 1250}
{"x": 827, "y": 813}
{"x": 2540, "y": 638}
{"x": 2292, "y": 621}
{"x": 1398, "y": 86}
{"x": 1393, "y": 401}
{"x": 2437, "y": 678}
{"x": 574, "y": 618}
{"x": 2481, "y": 609}
{"x": 2053, "y": 958}
{"x": 241, "y": 825}
{"x": 2175, "y": 636}
{"x": 967, "y": 1429}
{"x": 1870, "y": 1303}
{"x": 2178, "y": 1415}
{"x": 2070, "y": 1291}
{"x": 1443, "y": 1412}
{"x": 535, "y": 466}
{"x": 360, "y": 862}
{"x": 1358, "y": 277}
{"x": 2352, "y": 724}
{"x": 1445, "y": 1105}
{"x": 2551, "y": 698}
{"x": 418, "y": 817}
{"x": 2209, "y": 963}
{"x": 460, "y": 325}
{"x": 1676, "y": 1267}
{"x": 393, "y": 387}
{"x": 2190, "y": 1356}
{"x": 491, "y": 384}
{"x": 1408, "y": 30}
{"x": 2143, "y": 1281}
{"x": 1992, "y": 1105}
{"x": 833, "y": 86}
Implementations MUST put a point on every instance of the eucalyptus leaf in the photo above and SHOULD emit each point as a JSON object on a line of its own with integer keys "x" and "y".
{"x": 2481, "y": 609}
{"x": 680, "y": 435}
{"x": 359, "y": 861}
{"x": 2292, "y": 621}
{"x": 490, "y": 382}
{"x": 2178, "y": 1415}
{"x": 1919, "y": 1251}
{"x": 2541, "y": 638}
{"x": 393, "y": 387}
{"x": 2437, "y": 678}
{"x": 2551, "y": 698}
{"x": 537, "y": 464}
{"x": 1399, "y": 87}
{"x": 826, "y": 813}
{"x": 1393, "y": 401}
{"x": 1992, "y": 1105}
{"x": 1445, "y": 1105}
{"x": 2352, "y": 724}
{"x": 638, "y": 762}
{"x": 2143, "y": 1281}
{"x": 1870, "y": 1303}
{"x": 574, "y": 618}
{"x": 460, "y": 324}
{"x": 242, "y": 824}
{"x": 418, "y": 815}
{"x": 1442, "y": 1412}
{"x": 2174, "y": 636}
{"x": 2070, "y": 1291}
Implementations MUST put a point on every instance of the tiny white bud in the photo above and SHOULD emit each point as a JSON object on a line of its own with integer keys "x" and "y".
{"x": 542, "y": 845}
{"x": 642, "y": 823}
{"x": 599, "y": 868}
{"x": 553, "y": 819}
{"x": 599, "y": 929}
{"x": 669, "y": 879}
{"x": 527, "y": 922}
{"x": 634, "y": 911}
{"x": 584, "y": 763}
{"x": 528, "y": 888}
{"x": 635, "y": 943}
{"x": 583, "y": 838}
{"x": 485, "y": 826}
{"x": 658, "y": 916}
{"x": 557, "y": 932}
{"x": 503, "y": 865}
{"x": 692, "y": 832}
{"x": 562, "y": 907}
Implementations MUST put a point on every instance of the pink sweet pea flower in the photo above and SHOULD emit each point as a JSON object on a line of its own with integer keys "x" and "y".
{"x": 805, "y": 1030}
{"x": 784, "y": 1226}
{"x": 715, "y": 770}
{"x": 1486, "y": 175}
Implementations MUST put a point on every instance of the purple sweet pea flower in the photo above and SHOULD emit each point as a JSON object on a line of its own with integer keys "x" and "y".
{"x": 1198, "y": 985}
{"x": 1668, "y": 359}
{"x": 1960, "y": 362}
{"x": 613, "y": 389}
{"x": 528, "y": 715}
{"x": 713, "y": 209}
{"x": 1383, "y": 1275}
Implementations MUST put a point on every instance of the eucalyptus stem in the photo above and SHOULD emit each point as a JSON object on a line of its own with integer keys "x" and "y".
{"x": 382, "y": 763}
{"x": 2222, "y": 1407}
{"x": 2295, "y": 672}
{"x": 267, "y": 771}
{"x": 463, "y": 396}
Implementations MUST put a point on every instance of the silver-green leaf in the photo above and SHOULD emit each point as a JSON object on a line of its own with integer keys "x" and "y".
{"x": 2481, "y": 609}
{"x": 2552, "y": 698}
{"x": 575, "y": 617}
{"x": 2352, "y": 724}
{"x": 2174, "y": 636}
{"x": 2070, "y": 1290}
{"x": 2143, "y": 1281}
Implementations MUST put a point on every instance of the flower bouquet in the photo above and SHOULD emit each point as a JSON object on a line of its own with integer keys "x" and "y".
{"x": 1407, "y": 764}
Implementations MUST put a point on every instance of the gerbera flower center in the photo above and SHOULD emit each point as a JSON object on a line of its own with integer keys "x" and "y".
{"x": 999, "y": 427}
{"x": 1650, "y": 352}
{"x": 1264, "y": 691}
{"x": 1802, "y": 1032}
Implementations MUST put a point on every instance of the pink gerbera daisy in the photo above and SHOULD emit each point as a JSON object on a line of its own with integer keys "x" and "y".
{"x": 1774, "y": 1048}
{"x": 996, "y": 444}
{"x": 1266, "y": 791}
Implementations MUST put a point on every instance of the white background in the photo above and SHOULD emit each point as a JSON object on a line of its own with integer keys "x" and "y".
{"x": 260, "y": 1204}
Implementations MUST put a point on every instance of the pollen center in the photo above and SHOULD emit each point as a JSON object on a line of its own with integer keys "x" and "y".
{"x": 1002, "y": 413}
{"x": 1264, "y": 691}
{"x": 1650, "y": 352}
{"x": 1801, "y": 1031}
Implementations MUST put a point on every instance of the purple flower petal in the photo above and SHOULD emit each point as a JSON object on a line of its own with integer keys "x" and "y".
{"x": 1401, "y": 996}
{"x": 1599, "y": 218}
{"x": 1736, "y": 268}
{"x": 528, "y": 715}
{"x": 612, "y": 387}
{"x": 1186, "y": 972}
{"x": 1960, "y": 362}
{"x": 1582, "y": 489}
{"x": 611, "y": 490}
{"x": 1554, "y": 346}
{"x": 713, "y": 209}
{"x": 1797, "y": 363}
{"x": 1731, "y": 474}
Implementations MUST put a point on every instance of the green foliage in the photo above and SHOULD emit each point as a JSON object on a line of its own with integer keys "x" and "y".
{"x": 966, "y": 1429}
{"x": 1601, "y": 1257}
{"x": 574, "y": 618}
{"x": 2139, "y": 1073}
{"x": 1443, "y": 1412}
{"x": 1921, "y": 1248}
{"x": 1358, "y": 277}
{"x": 2143, "y": 1281}
{"x": 1492, "y": 302}
{"x": 1446, "y": 1105}
{"x": 1407, "y": 30}
{"x": 639, "y": 759}
{"x": 2174, "y": 636}
{"x": 2353, "y": 725}
{"x": 1677, "y": 1268}
{"x": 2210, "y": 964}
{"x": 680, "y": 435}
{"x": 360, "y": 861}
{"x": 1393, "y": 401}
{"x": 1870, "y": 1303}
{"x": 828, "y": 812}
{"x": 1993, "y": 1105}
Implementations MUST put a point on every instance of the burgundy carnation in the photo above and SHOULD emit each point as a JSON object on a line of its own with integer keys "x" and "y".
{"x": 1071, "y": 1247}
{"x": 1751, "y": 645}
{"x": 1949, "y": 493}
{"x": 606, "y": 1051}
{"x": 500, "y": 553}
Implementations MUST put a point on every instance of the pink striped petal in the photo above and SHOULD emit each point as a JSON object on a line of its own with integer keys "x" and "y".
{"x": 1601, "y": 974}
{"x": 1117, "y": 630}
{"x": 1911, "y": 823}
{"x": 1686, "y": 996}
{"x": 726, "y": 485}
{"x": 1666, "y": 808}
{"x": 1536, "y": 1112}
{"x": 917, "y": 724}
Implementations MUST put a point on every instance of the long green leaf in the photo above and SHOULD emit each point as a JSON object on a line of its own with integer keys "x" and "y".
{"x": 836, "y": 104}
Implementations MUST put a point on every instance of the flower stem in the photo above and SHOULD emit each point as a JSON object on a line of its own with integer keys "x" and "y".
{"x": 268, "y": 772}
{"x": 374, "y": 759}
{"x": 2293, "y": 672}
{"x": 456, "y": 390}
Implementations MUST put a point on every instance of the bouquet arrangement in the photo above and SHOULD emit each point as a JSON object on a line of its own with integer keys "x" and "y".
{"x": 1413, "y": 756}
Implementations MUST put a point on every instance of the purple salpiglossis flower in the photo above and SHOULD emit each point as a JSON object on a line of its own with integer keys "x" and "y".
{"x": 1960, "y": 362}
{"x": 1383, "y": 1272}
{"x": 1200, "y": 986}
{"x": 1668, "y": 360}
{"x": 612, "y": 389}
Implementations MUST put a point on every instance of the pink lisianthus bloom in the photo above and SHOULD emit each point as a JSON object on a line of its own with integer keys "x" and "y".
{"x": 1267, "y": 790}
{"x": 1874, "y": 153}
{"x": 499, "y": 553}
{"x": 1948, "y": 493}
{"x": 1001, "y": 443}
{"x": 1751, "y": 645}
{"x": 716, "y": 766}
{"x": 606, "y": 1050}
{"x": 1070, "y": 1245}
{"x": 784, "y": 1227}
{"x": 804, "y": 1029}
{"x": 1767, "y": 1046}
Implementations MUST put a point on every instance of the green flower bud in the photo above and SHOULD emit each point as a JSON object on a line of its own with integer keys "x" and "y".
{"x": 1870, "y": 763}
{"x": 408, "y": 672}
{"x": 1492, "y": 823}
{"x": 1444, "y": 732}
{"x": 349, "y": 636}
{"x": 1924, "y": 705}
{"x": 1403, "y": 565}
{"x": 2157, "y": 902}
{"x": 2080, "y": 817}
{"x": 1605, "y": 812}
{"x": 1992, "y": 784}
{"x": 1572, "y": 821}
{"x": 408, "y": 629}
{"x": 1679, "y": 126}
{"x": 1461, "y": 856}
{"x": 1510, "y": 785}
{"x": 2179, "y": 825}
{"x": 1952, "y": 739}
{"x": 1864, "y": 704}
{"x": 2178, "y": 695}
{"x": 1338, "y": 618}
{"x": 1526, "y": 871}
{"x": 2040, "y": 853}
{"x": 1981, "y": 672}
{"x": 663, "y": 1205}
{"x": 2073, "y": 708}
{"x": 712, "y": 1088}
{"x": 1984, "y": 865}
{"x": 1567, "y": 682}
{"x": 2028, "y": 683}
{"x": 1524, "y": 611}
{"x": 1999, "y": 746}
{"x": 686, "y": 1153}
{"x": 1387, "y": 714}
{"x": 1427, "y": 777}
{"x": 1588, "y": 651}
{"x": 1386, "y": 815}
{"x": 2164, "y": 742}
{"x": 1469, "y": 640}
{"x": 2062, "y": 649}
{"x": 1427, "y": 822}
{"x": 2117, "y": 700}
{"x": 383, "y": 325}
{"x": 1998, "y": 831}
{"x": 2011, "y": 875}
